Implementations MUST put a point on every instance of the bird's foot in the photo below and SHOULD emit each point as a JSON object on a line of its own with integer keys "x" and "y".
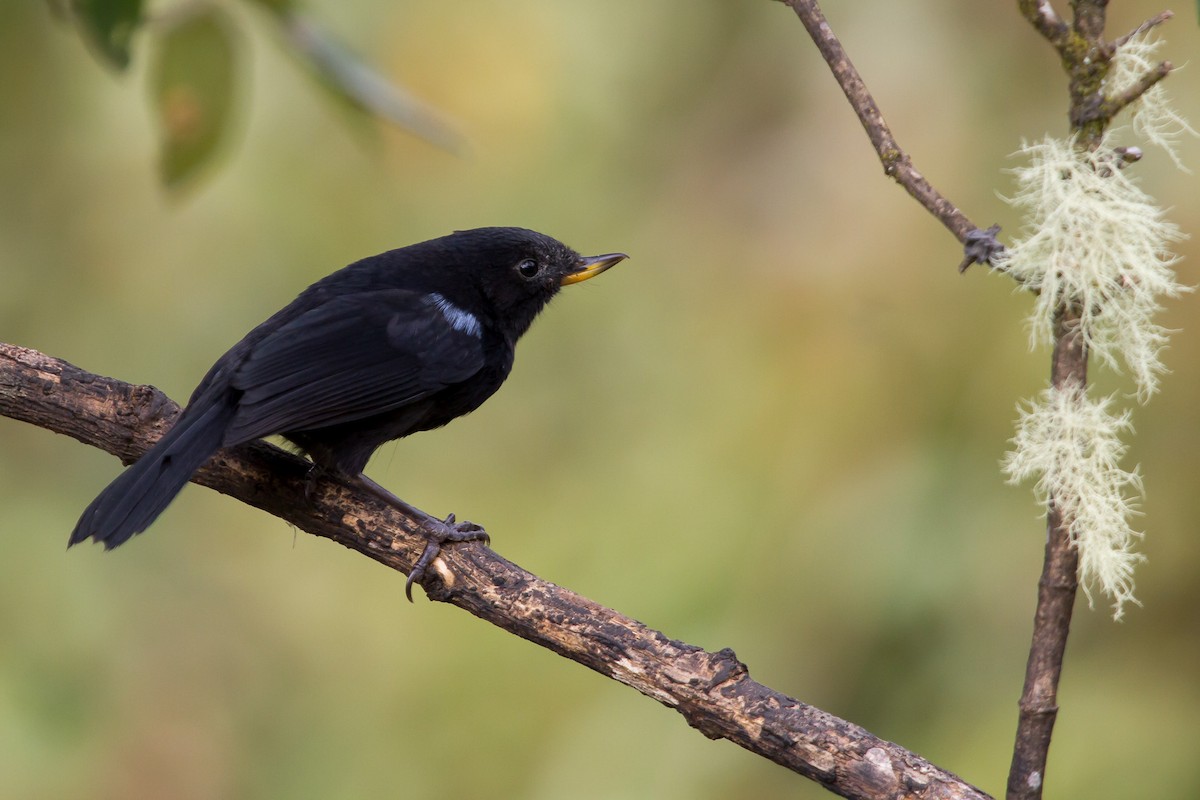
{"x": 438, "y": 533}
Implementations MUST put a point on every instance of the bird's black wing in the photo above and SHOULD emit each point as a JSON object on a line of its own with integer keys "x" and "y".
{"x": 353, "y": 356}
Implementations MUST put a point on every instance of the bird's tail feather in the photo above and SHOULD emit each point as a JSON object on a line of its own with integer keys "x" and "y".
{"x": 146, "y": 487}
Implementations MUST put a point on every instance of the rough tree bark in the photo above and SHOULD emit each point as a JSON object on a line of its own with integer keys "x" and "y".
{"x": 713, "y": 691}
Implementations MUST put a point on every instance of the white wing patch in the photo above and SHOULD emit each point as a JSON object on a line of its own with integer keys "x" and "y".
{"x": 460, "y": 320}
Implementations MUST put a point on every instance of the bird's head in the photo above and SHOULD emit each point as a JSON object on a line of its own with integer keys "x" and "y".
{"x": 517, "y": 271}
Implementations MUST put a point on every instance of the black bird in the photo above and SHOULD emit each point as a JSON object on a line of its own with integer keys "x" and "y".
{"x": 401, "y": 342}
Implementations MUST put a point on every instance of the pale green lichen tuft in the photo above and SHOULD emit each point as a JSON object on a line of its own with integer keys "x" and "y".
{"x": 1071, "y": 446}
{"x": 1097, "y": 252}
{"x": 1096, "y": 243}
{"x": 1154, "y": 119}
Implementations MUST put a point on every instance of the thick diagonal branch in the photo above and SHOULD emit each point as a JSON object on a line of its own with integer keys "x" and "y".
{"x": 713, "y": 691}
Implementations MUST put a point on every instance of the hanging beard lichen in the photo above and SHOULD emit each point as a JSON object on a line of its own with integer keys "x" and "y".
{"x": 1096, "y": 245}
{"x": 1071, "y": 446}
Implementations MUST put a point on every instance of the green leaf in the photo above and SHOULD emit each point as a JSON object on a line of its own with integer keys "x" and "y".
{"x": 355, "y": 82}
{"x": 193, "y": 88}
{"x": 109, "y": 25}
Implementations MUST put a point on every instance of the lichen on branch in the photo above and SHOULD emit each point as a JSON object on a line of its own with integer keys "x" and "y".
{"x": 1070, "y": 445}
{"x": 1154, "y": 119}
{"x": 1095, "y": 243}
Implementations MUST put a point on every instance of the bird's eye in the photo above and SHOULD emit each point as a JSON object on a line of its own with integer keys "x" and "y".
{"x": 529, "y": 268}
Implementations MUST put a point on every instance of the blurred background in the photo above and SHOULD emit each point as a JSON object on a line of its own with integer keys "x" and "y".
{"x": 776, "y": 428}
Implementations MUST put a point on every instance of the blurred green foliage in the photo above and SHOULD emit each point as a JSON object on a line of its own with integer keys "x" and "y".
{"x": 776, "y": 428}
{"x": 195, "y": 75}
{"x": 193, "y": 91}
{"x": 109, "y": 25}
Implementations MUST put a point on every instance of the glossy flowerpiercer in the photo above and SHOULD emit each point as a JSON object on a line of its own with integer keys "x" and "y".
{"x": 396, "y": 343}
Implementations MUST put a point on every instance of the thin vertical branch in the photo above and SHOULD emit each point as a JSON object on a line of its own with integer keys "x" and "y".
{"x": 1087, "y": 58}
{"x": 1055, "y": 603}
{"x": 1086, "y": 61}
{"x": 1089, "y": 20}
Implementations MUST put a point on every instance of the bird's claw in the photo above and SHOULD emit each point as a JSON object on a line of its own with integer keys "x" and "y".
{"x": 465, "y": 531}
{"x": 449, "y": 531}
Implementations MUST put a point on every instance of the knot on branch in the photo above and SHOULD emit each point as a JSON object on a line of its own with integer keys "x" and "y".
{"x": 980, "y": 247}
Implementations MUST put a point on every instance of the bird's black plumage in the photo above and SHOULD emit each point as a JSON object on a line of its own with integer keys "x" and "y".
{"x": 401, "y": 342}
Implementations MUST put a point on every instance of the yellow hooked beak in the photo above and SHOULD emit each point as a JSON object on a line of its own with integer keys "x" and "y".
{"x": 590, "y": 266}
